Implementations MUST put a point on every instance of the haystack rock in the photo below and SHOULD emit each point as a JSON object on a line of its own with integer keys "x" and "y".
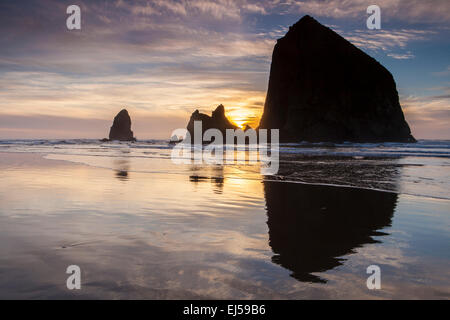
{"x": 323, "y": 88}
{"x": 217, "y": 120}
{"x": 121, "y": 128}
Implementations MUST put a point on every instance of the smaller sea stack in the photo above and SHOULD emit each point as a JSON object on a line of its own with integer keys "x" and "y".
{"x": 217, "y": 120}
{"x": 121, "y": 128}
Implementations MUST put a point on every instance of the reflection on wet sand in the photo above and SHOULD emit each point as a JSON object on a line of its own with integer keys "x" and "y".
{"x": 311, "y": 227}
{"x": 214, "y": 174}
{"x": 370, "y": 173}
{"x": 122, "y": 166}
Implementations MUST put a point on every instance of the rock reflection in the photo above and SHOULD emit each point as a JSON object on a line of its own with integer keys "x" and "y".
{"x": 122, "y": 166}
{"x": 312, "y": 227}
{"x": 214, "y": 174}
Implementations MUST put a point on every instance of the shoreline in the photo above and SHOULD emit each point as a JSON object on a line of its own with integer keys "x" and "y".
{"x": 43, "y": 156}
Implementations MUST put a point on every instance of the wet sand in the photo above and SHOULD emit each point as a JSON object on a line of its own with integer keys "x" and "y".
{"x": 209, "y": 232}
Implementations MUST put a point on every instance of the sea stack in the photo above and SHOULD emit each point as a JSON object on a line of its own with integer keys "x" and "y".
{"x": 217, "y": 120}
{"x": 323, "y": 88}
{"x": 121, "y": 128}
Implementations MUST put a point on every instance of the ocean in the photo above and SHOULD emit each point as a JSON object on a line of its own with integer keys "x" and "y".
{"x": 141, "y": 226}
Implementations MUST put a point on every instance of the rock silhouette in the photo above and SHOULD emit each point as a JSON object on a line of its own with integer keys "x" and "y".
{"x": 313, "y": 227}
{"x": 323, "y": 88}
{"x": 217, "y": 120}
{"x": 121, "y": 128}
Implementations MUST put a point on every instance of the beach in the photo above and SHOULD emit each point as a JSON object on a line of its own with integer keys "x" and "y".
{"x": 140, "y": 226}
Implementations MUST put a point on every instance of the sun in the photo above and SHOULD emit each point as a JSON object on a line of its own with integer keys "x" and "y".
{"x": 243, "y": 117}
{"x": 240, "y": 122}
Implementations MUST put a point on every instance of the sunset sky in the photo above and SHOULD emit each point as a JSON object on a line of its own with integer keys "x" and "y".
{"x": 163, "y": 59}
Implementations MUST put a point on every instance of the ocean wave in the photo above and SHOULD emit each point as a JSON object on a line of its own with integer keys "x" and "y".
{"x": 423, "y": 148}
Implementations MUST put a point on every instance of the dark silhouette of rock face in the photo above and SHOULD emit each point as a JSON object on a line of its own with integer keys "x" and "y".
{"x": 218, "y": 120}
{"x": 323, "y": 88}
{"x": 312, "y": 227}
{"x": 121, "y": 128}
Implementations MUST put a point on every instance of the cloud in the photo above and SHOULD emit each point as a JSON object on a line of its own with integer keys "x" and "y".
{"x": 428, "y": 116}
{"x": 390, "y": 42}
{"x": 254, "y": 8}
{"x": 403, "y": 10}
{"x": 386, "y": 40}
{"x": 401, "y": 56}
{"x": 442, "y": 73}
{"x": 219, "y": 9}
